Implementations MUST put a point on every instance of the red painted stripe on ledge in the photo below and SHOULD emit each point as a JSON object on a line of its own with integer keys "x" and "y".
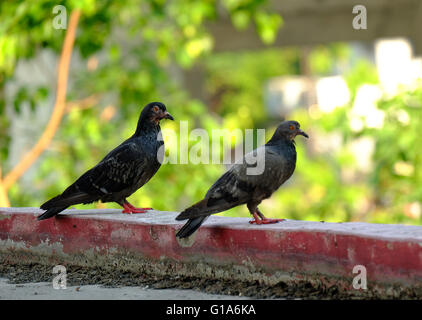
{"x": 391, "y": 253}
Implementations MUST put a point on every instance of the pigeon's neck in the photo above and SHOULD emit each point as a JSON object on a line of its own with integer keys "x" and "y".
{"x": 280, "y": 142}
{"x": 146, "y": 127}
{"x": 286, "y": 149}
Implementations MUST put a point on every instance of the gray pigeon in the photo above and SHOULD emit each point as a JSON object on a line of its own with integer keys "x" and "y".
{"x": 238, "y": 186}
{"x": 123, "y": 171}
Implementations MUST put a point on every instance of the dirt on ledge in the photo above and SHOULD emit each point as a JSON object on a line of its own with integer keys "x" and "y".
{"x": 26, "y": 272}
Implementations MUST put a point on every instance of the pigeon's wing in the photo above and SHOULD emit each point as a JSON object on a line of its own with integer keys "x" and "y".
{"x": 233, "y": 188}
{"x": 253, "y": 171}
{"x": 237, "y": 185}
{"x": 227, "y": 192}
{"x": 119, "y": 170}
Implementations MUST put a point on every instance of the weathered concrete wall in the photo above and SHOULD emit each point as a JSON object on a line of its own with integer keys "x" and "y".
{"x": 323, "y": 254}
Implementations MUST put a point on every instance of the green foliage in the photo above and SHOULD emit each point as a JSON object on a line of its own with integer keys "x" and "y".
{"x": 397, "y": 176}
{"x": 236, "y": 83}
{"x": 324, "y": 58}
{"x": 362, "y": 71}
{"x": 337, "y": 189}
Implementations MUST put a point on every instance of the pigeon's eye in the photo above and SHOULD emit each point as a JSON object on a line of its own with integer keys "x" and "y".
{"x": 292, "y": 127}
{"x": 155, "y": 108}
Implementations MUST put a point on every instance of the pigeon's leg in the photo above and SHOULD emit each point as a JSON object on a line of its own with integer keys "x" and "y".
{"x": 257, "y": 219}
{"x": 128, "y": 208}
{"x": 260, "y": 218}
{"x": 253, "y": 208}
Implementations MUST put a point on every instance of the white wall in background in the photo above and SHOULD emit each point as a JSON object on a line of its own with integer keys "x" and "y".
{"x": 331, "y": 92}
{"x": 396, "y": 65}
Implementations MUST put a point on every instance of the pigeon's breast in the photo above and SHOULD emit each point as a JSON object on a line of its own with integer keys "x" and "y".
{"x": 280, "y": 164}
{"x": 149, "y": 160}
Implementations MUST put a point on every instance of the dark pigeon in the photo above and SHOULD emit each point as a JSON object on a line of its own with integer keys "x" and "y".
{"x": 123, "y": 171}
{"x": 237, "y": 187}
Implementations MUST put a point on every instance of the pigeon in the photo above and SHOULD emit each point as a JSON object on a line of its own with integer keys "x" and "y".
{"x": 237, "y": 186}
{"x": 122, "y": 171}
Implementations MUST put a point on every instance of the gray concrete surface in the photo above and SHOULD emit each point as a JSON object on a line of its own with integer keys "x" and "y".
{"x": 45, "y": 291}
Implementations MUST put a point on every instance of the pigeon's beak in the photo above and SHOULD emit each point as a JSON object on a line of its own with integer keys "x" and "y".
{"x": 167, "y": 115}
{"x": 302, "y": 133}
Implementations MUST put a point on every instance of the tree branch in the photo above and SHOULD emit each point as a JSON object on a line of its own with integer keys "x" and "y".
{"x": 59, "y": 107}
{"x": 82, "y": 104}
{"x": 4, "y": 201}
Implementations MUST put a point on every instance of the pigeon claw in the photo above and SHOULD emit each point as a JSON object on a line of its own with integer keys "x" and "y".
{"x": 262, "y": 220}
{"x": 269, "y": 221}
{"x": 128, "y": 208}
{"x": 135, "y": 210}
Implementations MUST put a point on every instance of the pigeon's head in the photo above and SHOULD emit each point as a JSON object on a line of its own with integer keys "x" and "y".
{"x": 156, "y": 111}
{"x": 289, "y": 130}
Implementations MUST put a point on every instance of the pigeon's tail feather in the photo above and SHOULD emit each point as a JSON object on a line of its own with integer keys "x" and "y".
{"x": 61, "y": 202}
{"x": 206, "y": 207}
{"x": 197, "y": 210}
{"x": 196, "y": 215}
{"x": 68, "y": 200}
{"x": 190, "y": 227}
{"x": 51, "y": 212}
{"x": 51, "y": 203}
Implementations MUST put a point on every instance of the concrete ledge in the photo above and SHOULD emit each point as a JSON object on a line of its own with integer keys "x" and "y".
{"x": 224, "y": 248}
